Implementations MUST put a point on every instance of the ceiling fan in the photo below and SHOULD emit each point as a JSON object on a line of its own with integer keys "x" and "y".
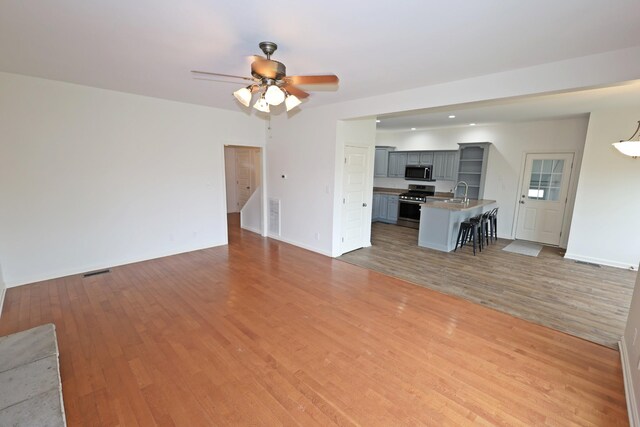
{"x": 269, "y": 78}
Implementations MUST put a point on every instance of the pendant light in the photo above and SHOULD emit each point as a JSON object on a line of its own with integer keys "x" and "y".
{"x": 630, "y": 147}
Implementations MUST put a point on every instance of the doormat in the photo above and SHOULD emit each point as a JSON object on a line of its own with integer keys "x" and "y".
{"x": 523, "y": 248}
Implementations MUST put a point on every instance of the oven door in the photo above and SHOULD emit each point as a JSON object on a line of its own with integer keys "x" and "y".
{"x": 409, "y": 214}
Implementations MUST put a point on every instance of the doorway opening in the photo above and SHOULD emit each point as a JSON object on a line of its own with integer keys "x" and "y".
{"x": 244, "y": 186}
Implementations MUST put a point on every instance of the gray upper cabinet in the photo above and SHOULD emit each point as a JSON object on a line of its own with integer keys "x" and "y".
{"x": 413, "y": 158}
{"x": 420, "y": 158}
{"x": 397, "y": 164}
{"x": 426, "y": 158}
{"x": 381, "y": 163}
{"x": 445, "y": 165}
{"x": 472, "y": 168}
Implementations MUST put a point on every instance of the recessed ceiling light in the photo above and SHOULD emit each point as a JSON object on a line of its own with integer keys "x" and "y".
{"x": 377, "y": 121}
{"x": 452, "y": 116}
{"x": 413, "y": 128}
{"x": 472, "y": 124}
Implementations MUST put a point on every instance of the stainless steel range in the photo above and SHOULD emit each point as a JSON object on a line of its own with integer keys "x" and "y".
{"x": 409, "y": 206}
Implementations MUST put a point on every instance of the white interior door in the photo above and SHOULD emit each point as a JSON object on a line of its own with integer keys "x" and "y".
{"x": 543, "y": 197}
{"x": 354, "y": 207}
{"x": 244, "y": 172}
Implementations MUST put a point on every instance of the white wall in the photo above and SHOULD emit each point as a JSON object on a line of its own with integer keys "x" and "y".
{"x": 510, "y": 143}
{"x": 605, "y": 229}
{"x": 302, "y": 147}
{"x": 251, "y": 217}
{"x": 630, "y": 350}
{"x": 230, "y": 178}
{"x": 92, "y": 178}
{"x": 305, "y": 144}
{"x": 3, "y": 289}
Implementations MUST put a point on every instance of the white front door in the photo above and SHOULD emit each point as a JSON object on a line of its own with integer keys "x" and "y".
{"x": 543, "y": 197}
{"x": 354, "y": 207}
{"x": 244, "y": 171}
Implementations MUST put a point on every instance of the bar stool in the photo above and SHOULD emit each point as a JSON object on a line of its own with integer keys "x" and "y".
{"x": 468, "y": 231}
{"x": 493, "y": 224}
{"x": 485, "y": 220}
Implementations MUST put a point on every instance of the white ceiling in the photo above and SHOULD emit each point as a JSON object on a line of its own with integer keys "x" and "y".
{"x": 542, "y": 107}
{"x": 148, "y": 46}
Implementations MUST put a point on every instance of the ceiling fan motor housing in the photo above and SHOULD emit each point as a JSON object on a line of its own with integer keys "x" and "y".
{"x": 267, "y": 68}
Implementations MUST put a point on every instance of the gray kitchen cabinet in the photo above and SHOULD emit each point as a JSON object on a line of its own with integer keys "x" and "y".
{"x": 472, "y": 168}
{"x": 445, "y": 165}
{"x": 381, "y": 162}
{"x": 426, "y": 158}
{"x": 385, "y": 208}
{"x": 413, "y": 158}
{"x": 420, "y": 158}
{"x": 397, "y": 164}
{"x": 376, "y": 208}
{"x": 392, "y": 208}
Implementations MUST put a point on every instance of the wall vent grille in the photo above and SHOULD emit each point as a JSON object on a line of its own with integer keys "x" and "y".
{"x": 592, "y": 264}
{"x": 274, "y": 217}
{"x": 97, "y": 272}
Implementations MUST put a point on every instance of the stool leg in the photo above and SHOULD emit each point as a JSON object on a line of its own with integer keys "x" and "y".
{"x": 495, "y": 226}
{"x": 475, "y": 233}
{"x": 460, "y": 230}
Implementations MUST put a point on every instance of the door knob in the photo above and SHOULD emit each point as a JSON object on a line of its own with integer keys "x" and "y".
{"x": 522, "y": 202}
{"x": 364, "y": 205}
{"x": 248, "y": 188}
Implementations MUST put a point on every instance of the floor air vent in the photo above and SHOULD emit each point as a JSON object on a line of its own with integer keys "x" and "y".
{"x": 588, "y": 263}
{"x": 95, "y": 273}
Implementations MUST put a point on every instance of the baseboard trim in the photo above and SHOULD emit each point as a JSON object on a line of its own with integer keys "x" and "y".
{"x": 300, "y": 245}
{"x": 3, "y": 292}
{"x": 108, "y": 264}
{"x": 600, "y": 261}
{"x": 627, "y": 369}
{"x": 252, "y": 229}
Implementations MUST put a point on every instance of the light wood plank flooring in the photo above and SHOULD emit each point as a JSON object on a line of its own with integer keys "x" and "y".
{"x": 581, "y": 300}
{"x": 260, "y": 332}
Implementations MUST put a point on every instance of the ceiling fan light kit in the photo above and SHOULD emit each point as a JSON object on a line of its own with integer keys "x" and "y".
{"x": 243, "y": 95}
{"x": 270, "y": 78}
{"x": 630, "y": 147}
{"x": 262, "y": 105}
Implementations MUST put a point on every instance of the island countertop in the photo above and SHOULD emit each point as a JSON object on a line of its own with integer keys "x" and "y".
{"x": 441, "y": 204}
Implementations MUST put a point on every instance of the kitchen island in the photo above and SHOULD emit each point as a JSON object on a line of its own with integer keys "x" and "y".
{"x": 440, "y": 221}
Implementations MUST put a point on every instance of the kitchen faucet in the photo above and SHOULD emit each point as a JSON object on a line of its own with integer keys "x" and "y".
{"x": 466, "y": 191}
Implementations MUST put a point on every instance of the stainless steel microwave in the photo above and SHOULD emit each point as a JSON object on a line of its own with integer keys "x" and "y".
{"x": 418, "y": 173}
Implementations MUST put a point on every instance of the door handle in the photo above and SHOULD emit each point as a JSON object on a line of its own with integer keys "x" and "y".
{"x": 364, "y": 205}
{"x": 522, "y": 202}
{"x": 248, "y": 188}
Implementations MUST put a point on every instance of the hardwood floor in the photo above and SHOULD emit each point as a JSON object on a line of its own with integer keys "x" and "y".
{"x": 260, "y": 332}
{"x": 583, "y": 300}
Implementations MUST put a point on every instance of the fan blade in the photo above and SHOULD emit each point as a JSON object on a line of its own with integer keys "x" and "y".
{"x": 313, "y": 80}
{"x": 221, "y": 75}
{"x": 295, "y": 91}
{"x": 219, "y": 81}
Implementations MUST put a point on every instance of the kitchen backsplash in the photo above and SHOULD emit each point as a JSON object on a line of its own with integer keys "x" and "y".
{"x": 441, "y": 186}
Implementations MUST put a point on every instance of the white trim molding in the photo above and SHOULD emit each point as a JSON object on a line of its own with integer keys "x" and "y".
{"x": 3, "y": 292}
{"x": 632, "y": 405}
{"x": 600, "y": 261}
